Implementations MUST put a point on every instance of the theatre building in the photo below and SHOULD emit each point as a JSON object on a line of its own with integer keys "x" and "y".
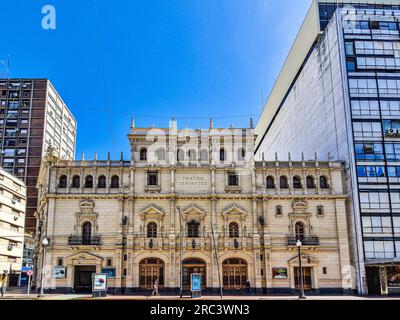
{"x": 193, "y": 201}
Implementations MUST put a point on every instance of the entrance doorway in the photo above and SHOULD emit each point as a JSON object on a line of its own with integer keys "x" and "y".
{"x": 150, "y": 270}
{"x": 83, "y": 278}
{"x": 307, "y": 281}
{"x": 373, "y": 280}
{"x": 234, "y": 274}
{"x": 193, "y": 266}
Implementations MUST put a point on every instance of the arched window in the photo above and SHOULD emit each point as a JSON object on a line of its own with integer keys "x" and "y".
{"x": 204, "y": 155}
{"x": 152, "y": 230}
{"x": 160, "y": 154}
{"x": 297, "y": 183}
{"x": 76, "y": 182}
{"x": 283, "y": 183}
{"x": 222, "y": 155}
{"x": 115, "y": 182}
{"x": 86, "y": 233}
{"x": 233, "y": 230}
{"x": 241, "y": 154}
{"x": 193, "y": 229}
{"x": 299, "y": 231}
{"x": 270, "y": 182}
{"x": 323, "y": 182}
{"x": 143, "y": 154}
{"x": 310, "y": 182}
{"x": 180, "y": 155}
{"x": 102, "y": 182}
{"x": 63, "y": 182}
{"x": 89, "y": 182}
{"x": 192, "y": 155}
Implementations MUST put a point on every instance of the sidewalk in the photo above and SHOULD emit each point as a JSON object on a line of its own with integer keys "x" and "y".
{"x": 204, "y": 298}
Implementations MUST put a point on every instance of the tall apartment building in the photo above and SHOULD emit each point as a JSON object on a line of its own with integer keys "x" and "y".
{"x": 338, "y": 96}
{"x": 32, "y": 117}
{"x": 12, "y": 220}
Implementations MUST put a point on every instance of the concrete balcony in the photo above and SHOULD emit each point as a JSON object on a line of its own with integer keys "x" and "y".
{"x": 79, "y": 241}
{"x": 152, "y": 189}
{"x": 305, "y": 242}
{"x": 233, "y": 189}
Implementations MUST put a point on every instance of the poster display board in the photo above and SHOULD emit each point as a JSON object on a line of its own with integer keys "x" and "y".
{"x": 195, "y": 285}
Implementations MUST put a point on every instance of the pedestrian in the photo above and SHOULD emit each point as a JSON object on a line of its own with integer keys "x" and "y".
{"x": 155, "y": 288}
{"x": 3, "y": 283}
{"x": 248, "y": 288}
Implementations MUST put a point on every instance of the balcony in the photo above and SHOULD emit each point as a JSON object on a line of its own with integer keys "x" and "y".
{"x": 306, "y": 241}
{"x": 152, "y": 189}
{"x": 79, "y": 241}
{"x": 233, "y": 189}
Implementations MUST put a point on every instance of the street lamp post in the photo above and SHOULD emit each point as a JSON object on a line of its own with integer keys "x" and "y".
{"x": 302, "y": 295}
{"x": 44, "y": 243}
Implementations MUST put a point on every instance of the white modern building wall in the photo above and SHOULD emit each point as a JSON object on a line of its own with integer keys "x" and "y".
{"x": 343, "y": 105}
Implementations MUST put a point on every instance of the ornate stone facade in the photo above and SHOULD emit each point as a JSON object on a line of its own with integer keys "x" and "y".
{"x": 237, "y": 220}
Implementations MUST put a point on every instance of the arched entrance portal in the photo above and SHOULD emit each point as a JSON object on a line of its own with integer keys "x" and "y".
{"x": 190, "y": 266}
{"x": 234, "y": 274}
{"x": 150, "y": 270}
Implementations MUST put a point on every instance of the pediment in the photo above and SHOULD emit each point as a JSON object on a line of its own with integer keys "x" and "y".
{"x": 299, "y": 206}
{"x": 193, "y": 209}
{"x": 304, "y": 258}
{"x": 84, "y": 256}
{"x": 152, "y": 209}
{"x": 234, "y": 210}
{"x": 87, "y": 206}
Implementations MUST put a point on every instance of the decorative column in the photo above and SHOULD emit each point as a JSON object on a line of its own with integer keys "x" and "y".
{"x": 256, "y": 246}
{"x": 173, "y": 278}
{"x": 214, "y": 264}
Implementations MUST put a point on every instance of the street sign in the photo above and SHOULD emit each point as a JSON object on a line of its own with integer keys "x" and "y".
{"x": 195, "y": 285}
{"x": 29, "y": 273}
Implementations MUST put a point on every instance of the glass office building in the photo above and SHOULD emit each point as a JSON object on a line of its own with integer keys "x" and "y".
{"x": 338, "y": 97}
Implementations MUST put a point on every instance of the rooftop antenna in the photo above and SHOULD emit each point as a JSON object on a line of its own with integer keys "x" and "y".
{"x": 6, "y": 64}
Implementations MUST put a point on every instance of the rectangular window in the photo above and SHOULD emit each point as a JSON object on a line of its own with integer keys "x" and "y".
{"x": 390, "y": 108}
{"x": 371, "y": 171}
{"x": 349, "y": 48}
{"x": 392, "y": 152}
{"x": 374, "y": 201}
{"x": 373, "y": 226}
{"x": 363, "y": 86}
{"x": 233, "y": 179}
{"x": 351, "y": 66}
{"x": 109, "y": 262}
{"x": 365, "y": 108}
{"x": 367, "y": 130}
{"x": 389, "y": 87}
{"x": 369, "y": 152}
{"x": 379, "y": 249}
{"x": 152, "y": 178}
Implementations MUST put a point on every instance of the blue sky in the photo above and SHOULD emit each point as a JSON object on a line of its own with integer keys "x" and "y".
{"x": 190, "y": 59}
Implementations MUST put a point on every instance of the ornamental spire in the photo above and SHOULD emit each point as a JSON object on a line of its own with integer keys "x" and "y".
{"x": 133, "y": 122}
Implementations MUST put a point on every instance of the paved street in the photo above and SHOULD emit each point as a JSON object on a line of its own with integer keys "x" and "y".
{"x": 204, "y": 298}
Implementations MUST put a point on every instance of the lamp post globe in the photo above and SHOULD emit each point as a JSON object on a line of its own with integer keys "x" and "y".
{"x": 45, "y": 242}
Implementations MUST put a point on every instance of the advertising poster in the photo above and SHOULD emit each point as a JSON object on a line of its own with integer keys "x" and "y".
{"x": 99, "y": 282}
{"x": 60, "y": 272}
{"x": 196, "y": 282}
{"x": 280, "y": 273}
